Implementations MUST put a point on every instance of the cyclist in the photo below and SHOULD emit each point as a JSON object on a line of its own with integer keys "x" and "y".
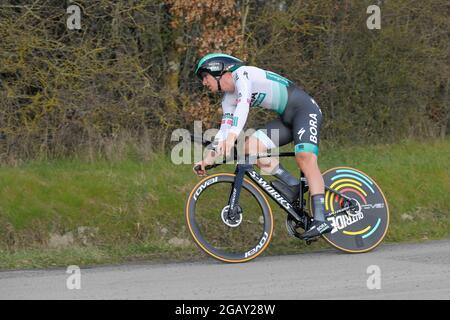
{"x": 299, "y": 120}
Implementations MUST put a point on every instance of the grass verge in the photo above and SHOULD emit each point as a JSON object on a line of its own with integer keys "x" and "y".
{"x": 68, "y": 212}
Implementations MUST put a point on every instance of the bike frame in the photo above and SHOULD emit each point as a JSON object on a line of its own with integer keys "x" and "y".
{"x": 297, "y": 215}
{"x": 247, "y": 170}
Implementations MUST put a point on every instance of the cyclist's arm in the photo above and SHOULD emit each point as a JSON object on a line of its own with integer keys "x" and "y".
{"x": 241, "y": 108}
{"x": 244, "y": 93}
{"x": 235, "y": 113}
{"x": 228, "y": 108}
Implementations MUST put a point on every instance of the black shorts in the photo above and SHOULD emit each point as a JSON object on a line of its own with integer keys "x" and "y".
{"x": 300, "y": 122}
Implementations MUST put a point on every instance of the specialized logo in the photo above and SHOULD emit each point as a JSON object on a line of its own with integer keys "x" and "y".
{"x": 271, "y": 190}
{"x": 300, "y": 133}
{"x": 258, "y": 246}
{"x": 313, "y": 127}
{"x": 203, "y": 186}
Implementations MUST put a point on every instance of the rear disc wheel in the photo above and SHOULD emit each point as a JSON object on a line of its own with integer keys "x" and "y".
{"x": 364, "y": 227}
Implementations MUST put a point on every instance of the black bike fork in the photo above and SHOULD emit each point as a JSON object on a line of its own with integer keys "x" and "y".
{"x": 233, "y": 200}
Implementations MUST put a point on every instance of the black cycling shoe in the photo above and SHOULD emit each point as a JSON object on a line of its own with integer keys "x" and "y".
{"x": 317, "y": 228}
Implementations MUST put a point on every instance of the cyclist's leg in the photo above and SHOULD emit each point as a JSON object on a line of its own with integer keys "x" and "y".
{"x": 306, "y": 127}
{"x": 307, "y": 162}
{"x": 274, "y": 134}
{"x": 256, "y": 144}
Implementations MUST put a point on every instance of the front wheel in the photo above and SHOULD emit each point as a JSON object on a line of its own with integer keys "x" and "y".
{"x": 362, "y": 228}
{"x": 237, "y": 236}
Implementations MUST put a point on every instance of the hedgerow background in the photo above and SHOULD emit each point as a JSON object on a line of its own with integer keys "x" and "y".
{"x": 126, "y": 78}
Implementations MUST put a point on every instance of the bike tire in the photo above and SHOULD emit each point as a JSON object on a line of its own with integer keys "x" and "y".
{"x": 190, "y": 215}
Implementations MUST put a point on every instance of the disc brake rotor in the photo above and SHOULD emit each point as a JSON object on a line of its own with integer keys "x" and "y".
{"x": 231, "y": 220}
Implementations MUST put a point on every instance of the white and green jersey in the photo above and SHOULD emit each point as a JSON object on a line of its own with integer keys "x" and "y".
{"x": 255, "y": 87}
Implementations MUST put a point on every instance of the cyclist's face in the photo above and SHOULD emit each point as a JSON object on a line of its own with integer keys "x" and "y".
{"x": 209, "y": 81}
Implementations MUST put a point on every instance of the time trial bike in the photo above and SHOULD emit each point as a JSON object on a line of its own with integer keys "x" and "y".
{"x": 230, "y": 218}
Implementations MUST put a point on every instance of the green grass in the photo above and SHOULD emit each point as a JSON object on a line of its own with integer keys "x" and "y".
{"x": 134, "y": 208}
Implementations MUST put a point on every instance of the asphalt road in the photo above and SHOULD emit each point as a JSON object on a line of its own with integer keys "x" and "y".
{"x": 407, "y": 271}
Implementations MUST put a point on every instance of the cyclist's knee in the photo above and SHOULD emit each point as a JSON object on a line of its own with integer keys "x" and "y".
{"x": 254, "y": 146}
{"x": 306, "y": 160}
{"x": 306, "y": 156}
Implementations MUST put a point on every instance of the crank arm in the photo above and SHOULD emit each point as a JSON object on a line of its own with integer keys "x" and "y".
{"x": 338, "y": 212}
{"x": 338, "y": 193}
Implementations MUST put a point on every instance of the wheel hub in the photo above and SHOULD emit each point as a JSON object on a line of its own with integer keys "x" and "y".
{"x": 234, "y": 219}
{"x": 353, "y": 212}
